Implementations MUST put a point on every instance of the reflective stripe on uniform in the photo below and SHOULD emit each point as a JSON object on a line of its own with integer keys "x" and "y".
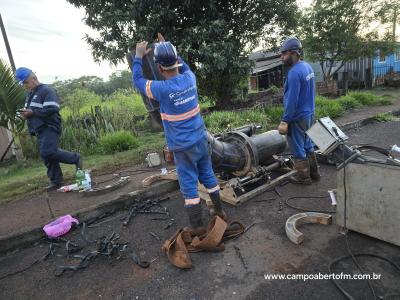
{"x": 214, "y": 189}
{"x": 34, "y": 104}
{"x": 148, "y": 89}
{"x": 181, "y": 117}
{"x": 51, "y": 103}
{"x": 192, "y": 201}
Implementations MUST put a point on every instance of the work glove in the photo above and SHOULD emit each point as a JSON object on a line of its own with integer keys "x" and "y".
{"x": 283, "y": 128}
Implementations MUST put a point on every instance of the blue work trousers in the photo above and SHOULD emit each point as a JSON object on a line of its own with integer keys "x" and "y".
{"x": 299, "y": 142}
{"x": 48, "y": 140}
{"x": 193, "y": 165}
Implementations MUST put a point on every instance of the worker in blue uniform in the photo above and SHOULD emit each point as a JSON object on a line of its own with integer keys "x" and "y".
{"x": 42, "y": 113}
{"x": 183, "y": 125}
{"x": 299, "y": 107}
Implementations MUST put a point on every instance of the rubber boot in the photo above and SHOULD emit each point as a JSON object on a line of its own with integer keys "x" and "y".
{"x": 303, "y": 172}
{"x": 195, "y": 216}
{"x": 314, "y": 168}
{"x": 216, "y": 208}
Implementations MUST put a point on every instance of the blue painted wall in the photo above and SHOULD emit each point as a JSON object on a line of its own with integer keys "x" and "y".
{"x": 391, "y": 63}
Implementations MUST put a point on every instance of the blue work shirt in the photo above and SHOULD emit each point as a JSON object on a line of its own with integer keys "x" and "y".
{"x": 299, "y": 93}
{"x": 179, "y": 106}
{"x": 45, "y": 104}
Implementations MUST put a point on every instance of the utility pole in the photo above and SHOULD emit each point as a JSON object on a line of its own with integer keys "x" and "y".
{"x": 395, "y": 11}
{"x": 3, "y": 32}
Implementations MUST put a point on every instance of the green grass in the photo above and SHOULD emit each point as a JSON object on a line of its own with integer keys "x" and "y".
{"x": 121, "y": 100}
{"x": 221, "y": 121}
{"x": 269, "y": 117}
{"x": 349, "y": 102}
{"x": 118, "y": 141}
{"x": 25, "y": 178}
{"x": 327, "y": 107}
{"x": 386, "y": 117}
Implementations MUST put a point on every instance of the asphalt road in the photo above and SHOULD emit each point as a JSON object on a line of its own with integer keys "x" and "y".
{"x": 217, "y": 275}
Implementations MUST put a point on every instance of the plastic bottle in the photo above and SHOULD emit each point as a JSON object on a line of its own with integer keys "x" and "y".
{"x": 79, "y": 177}
{"x": 395, "y": 152}
{"x": 87, "y": 185}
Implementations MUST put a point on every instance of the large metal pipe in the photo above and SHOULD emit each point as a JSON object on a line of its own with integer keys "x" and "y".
{"x": 268, "y": 144}
{"x": 238, "y": 152}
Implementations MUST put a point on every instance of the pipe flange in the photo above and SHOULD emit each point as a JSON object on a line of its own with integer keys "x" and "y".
{"x": 243, "y": 138}
{"x": 248, "y": 148}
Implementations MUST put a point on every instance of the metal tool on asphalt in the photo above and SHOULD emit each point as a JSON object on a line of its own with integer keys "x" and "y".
{"x": 141, "y": 263}
{"x": 155, "y": 236}
{"x": 106, "y": 246}
{"x": 145, "y": 207}
{"x": 239, "y": 254}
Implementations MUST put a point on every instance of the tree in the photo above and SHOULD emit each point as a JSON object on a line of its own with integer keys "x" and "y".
{"x": 337, "y": 31}
{"x": 67, "y": 87}
{"x": 119, "y": 80}
{"x": 388, "y": 12}
{"x": 12, "y": 98}
{"x": 214, "y": 37}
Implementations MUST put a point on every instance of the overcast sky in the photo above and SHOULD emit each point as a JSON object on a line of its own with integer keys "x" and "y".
{"x": 47, "y": 37}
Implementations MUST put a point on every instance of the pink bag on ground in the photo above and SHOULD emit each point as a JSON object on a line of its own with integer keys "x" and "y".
{"x": 59, "y": 226}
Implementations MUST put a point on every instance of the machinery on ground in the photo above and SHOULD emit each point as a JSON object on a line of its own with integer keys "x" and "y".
{"x": 368, "y": 190}
{"x": 247, "y": 163}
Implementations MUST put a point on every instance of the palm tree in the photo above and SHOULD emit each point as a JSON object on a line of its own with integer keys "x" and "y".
{"x": 12, "y": 98}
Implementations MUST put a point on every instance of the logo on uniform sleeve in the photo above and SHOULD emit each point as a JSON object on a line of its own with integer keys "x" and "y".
{"x": 309, "y": 76}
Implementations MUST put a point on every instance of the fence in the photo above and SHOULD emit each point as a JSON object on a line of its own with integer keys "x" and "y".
{"x": 380, "y": 72}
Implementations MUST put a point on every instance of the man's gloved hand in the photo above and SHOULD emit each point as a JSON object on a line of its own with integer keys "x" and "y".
{"x": 283, "y": 128}
{"x": 141, "y": 49}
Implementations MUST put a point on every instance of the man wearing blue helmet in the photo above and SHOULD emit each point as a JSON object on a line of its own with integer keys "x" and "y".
{"x": 42, "y": 113}
{"x": 183, "y": 125}
{"x": 299, "y": 104}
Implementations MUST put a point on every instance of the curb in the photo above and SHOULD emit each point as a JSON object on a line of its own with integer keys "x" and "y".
{"x": 365, "y": 121}
{"x": 26, "y": 238}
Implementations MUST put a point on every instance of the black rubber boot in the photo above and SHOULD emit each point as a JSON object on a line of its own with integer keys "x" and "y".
{"x": 216, "y": 208}
{"x": 195, "y": 216}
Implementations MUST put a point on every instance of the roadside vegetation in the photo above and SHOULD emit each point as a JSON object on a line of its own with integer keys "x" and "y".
{"x": 269, "y": 117}
{"x": 112, "y": 130}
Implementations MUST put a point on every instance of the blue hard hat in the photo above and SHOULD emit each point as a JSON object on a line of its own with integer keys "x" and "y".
{"x": 22, "y": 74}
{"x": 291, "y": 44}
{"x": 165, "y": 54}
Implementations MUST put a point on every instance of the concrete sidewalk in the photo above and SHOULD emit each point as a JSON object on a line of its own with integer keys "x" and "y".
{"x": 355, "y": 117}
